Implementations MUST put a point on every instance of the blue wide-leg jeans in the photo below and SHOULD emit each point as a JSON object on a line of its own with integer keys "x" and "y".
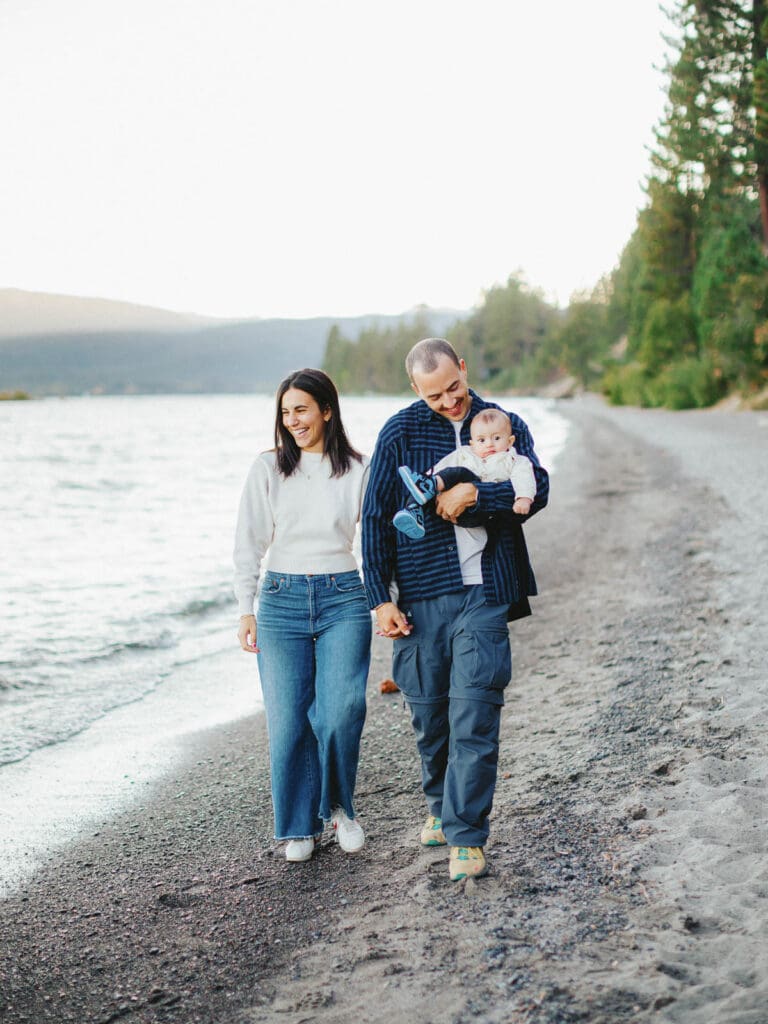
{"x": 314, "y": 639}
{"x": 452, "y": 670}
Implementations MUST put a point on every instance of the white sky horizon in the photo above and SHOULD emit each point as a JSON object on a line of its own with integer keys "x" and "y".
{"x": 289, "y": 159}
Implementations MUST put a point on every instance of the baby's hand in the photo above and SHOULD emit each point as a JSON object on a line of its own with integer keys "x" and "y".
{"x": 522, "y": 506}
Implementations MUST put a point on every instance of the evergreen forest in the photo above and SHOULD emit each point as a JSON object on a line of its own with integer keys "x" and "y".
{"x": 682, "y": 320}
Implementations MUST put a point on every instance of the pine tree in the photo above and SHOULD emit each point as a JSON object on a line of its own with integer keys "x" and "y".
{"x": 714, "y": 137}
{"x": 694, "y": 278}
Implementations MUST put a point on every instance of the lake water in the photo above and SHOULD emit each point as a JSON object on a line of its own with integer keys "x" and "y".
{"x": 117, "y": 520}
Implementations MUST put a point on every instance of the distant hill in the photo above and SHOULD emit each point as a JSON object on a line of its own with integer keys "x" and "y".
{"x": 25, "y": 313}
{"x": 147, "y": 351}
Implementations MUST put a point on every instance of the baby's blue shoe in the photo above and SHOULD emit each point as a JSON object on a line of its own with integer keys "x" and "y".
{"x": 423, "y": 488}
{"x": 410, "y": 521}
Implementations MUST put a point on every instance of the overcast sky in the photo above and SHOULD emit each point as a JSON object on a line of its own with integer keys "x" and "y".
{"x": 299, "y": 158}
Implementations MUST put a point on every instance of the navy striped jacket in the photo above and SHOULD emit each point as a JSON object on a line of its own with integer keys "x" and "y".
{"x": 419, "y": 437}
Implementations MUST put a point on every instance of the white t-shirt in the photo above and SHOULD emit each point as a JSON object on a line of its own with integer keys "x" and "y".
{"x": 470, "y": 541}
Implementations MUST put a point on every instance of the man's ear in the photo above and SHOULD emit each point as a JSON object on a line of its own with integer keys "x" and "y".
{"x": 415, "y": 388}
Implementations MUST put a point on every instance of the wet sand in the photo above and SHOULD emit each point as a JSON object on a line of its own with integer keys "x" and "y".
{"x": 628, "y": 878}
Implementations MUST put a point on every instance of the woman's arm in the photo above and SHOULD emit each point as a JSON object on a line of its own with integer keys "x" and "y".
{"x": 253, "y": 535}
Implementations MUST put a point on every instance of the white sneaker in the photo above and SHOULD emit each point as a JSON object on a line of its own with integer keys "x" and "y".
{"x": 349, "y": 834}
{"x": 298, "y": 850}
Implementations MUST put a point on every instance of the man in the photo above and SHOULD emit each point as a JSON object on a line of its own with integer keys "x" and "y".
{"x": 456, "y": 589}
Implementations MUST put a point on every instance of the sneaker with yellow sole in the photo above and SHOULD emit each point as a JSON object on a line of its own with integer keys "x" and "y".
{"x": 467, "y": 862}
{"x": 432, "y": 833}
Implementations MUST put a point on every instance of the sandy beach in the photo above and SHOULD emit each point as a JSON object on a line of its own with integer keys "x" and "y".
{"x": 628, "y": 877}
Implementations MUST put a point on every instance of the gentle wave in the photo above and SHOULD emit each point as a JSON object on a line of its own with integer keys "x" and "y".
{"x": 98, "y": 486}
{"x": 10, "y": 684}
{"x": 202, "y": 607}
{"x": 159, "y": 643}
{"x": 35, "y": 658}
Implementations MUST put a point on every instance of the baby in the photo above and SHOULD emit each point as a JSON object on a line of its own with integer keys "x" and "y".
{"x": 489, "y": 457}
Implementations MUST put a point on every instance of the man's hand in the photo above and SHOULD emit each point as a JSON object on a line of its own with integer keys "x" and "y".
{"x": 450, "y": 504}
{"x": 246, "y": 634}
{"x": 391, "y": 621}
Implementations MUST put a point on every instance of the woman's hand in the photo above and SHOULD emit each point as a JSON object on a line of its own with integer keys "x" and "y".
{"x": 246, "y": 634}
{"x": 391, "y": 621}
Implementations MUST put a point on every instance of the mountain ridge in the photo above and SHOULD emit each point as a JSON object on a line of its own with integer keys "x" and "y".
{"x": 24, "y": 313}
{"x": 168, "y": 352}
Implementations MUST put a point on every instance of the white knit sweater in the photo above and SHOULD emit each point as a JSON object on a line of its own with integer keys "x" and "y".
{"x": 304, "y": 524}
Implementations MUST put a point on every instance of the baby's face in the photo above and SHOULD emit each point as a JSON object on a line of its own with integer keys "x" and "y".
{"x": 488, "y": 439}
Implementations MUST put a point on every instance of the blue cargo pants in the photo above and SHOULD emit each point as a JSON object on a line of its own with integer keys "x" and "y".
{"x": 452, "y": 670}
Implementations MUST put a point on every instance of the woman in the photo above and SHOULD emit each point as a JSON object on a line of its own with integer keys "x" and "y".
{"x": 300, "y": 506}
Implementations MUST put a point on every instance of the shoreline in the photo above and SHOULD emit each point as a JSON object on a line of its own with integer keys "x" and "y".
{"x": 57, "y": 794}
{"x": 628, "y": 834}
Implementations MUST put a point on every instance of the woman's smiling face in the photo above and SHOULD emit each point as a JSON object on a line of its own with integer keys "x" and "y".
{"x": 305, "y": 420}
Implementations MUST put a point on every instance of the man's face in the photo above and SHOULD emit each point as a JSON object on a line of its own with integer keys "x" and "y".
{"x": 445, "y": 389}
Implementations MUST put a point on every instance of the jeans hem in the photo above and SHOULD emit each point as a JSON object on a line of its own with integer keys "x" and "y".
{"x": 337, "y": 807}
{"x": 288, "y": 839}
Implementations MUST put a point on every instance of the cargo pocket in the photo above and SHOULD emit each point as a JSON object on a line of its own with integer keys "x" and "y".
{"x": 482, "y": 664}
{"x": 405, "y": 668}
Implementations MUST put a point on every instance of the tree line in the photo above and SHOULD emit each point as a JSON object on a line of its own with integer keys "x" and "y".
{"x": 683, "y": 319}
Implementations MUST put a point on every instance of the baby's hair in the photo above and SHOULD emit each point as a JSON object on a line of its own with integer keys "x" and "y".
{"x": 491, "y": 416}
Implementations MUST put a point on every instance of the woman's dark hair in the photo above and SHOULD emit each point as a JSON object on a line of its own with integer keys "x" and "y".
{"x": 335, "y": 442}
